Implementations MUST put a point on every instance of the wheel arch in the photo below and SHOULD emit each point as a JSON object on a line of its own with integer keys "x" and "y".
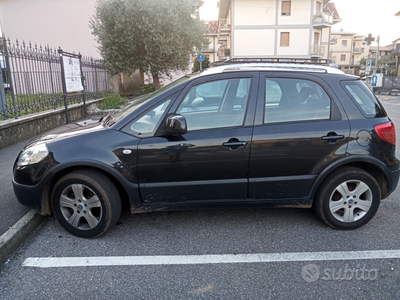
{"x": 126, "y": 193}
{"x": 373, "y": 166}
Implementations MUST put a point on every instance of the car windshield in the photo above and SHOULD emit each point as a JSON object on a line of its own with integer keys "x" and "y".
{"x": 115, "y": 117}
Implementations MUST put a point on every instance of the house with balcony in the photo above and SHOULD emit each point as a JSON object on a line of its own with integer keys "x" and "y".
{"x": 275, "y": 28}
{"x": 396, "y": 53}
{"x": 347, "y": 51}
{"x": 211, "y": 50}
{"x": 385, "y": 57}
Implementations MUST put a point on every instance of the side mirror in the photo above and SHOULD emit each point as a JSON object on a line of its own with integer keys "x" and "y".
{"x": 176, "y": 124}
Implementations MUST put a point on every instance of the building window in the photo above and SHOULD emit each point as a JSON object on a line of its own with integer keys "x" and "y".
{"x": 344, "y": 43}
{"x": 286, "y": 6}
{"x": 285, "y": 39}
{"x": 342, "y": 57}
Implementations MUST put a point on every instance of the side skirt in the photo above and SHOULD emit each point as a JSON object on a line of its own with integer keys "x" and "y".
{"x": 210, "y": 205}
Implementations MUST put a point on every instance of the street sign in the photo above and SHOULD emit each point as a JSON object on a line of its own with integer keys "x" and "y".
{"x": 368, "y": 66}
{"x": 374, "y": 80}
{"x": 200, "y": 57}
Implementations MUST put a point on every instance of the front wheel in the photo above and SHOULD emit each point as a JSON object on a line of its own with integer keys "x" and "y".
{"x": 86, "y": 203}
{"x": 348, "y": 198}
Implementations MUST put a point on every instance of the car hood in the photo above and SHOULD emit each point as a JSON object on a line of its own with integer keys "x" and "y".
{"x": 50, "y": 137}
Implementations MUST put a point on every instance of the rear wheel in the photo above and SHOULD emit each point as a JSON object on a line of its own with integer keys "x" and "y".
{"x": 86, "y": 203}
{"x": 347, "y": 199}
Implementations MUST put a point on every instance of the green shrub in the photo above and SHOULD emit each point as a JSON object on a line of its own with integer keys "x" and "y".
{"x": 146, "y": 89}
{"x": 112, "y": 101}
{"x": 204, "y": 65}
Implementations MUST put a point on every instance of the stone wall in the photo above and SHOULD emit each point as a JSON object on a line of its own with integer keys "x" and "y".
{"x": 16, "y": 130}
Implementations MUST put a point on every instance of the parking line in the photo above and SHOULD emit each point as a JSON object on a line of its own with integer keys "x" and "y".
{"x": 59, "y": 262}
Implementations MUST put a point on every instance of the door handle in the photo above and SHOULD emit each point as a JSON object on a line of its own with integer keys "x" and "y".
{"x": 234, "y": 144}
{"x": 332, "y": 137}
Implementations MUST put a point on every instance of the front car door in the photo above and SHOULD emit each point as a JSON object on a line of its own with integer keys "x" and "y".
{"x": 299, "y": 130}
{"x": 209, "y": 162}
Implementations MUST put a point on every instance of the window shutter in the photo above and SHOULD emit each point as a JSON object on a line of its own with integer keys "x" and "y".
{"x": 285, "y": 38}
{"x": 286, "y": 7}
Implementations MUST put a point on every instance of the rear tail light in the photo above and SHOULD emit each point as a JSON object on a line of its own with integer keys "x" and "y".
{"x": 386, "y": 132}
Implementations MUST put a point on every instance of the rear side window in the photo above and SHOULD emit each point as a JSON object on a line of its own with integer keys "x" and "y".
{"x": 295, "y": 100}
{"x": 364, "y": 99}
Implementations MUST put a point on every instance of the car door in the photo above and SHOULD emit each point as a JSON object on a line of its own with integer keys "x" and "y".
{"x": 210, "y": 161}
{"x": 299, "y": 130}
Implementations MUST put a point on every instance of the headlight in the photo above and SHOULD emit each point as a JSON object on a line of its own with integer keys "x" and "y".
{"x": 33, "y": 155}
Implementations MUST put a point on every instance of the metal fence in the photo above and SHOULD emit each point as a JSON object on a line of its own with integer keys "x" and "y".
{"x": 30, "y": 79}
{"x": 390, "y": 85}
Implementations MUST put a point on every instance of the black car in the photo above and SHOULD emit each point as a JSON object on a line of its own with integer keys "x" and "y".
{"x": 241, "y": 135}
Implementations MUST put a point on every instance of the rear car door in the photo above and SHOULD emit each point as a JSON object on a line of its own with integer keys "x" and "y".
{"x": 300, "y": 129}
{"x": 210, "y": 161}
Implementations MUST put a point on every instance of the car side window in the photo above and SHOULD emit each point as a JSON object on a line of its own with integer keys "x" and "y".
{"x": 216, "y": 104}
{"x": 149, "y": 121}
{"x": 364, "y": 99}
{"x": 292, "y": 100}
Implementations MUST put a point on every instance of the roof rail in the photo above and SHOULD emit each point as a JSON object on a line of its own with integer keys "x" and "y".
{"x": 307, "y": 61}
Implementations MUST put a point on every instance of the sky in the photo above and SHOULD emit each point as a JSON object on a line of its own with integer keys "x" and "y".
{"x": 359, "y": 16}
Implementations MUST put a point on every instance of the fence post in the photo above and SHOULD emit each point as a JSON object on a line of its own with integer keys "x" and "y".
{"x": 8, "y": 69}
{"x": 3, "y": 110}
{"x": 83, "y": 84}
{"x": 60, "y": 51}
{"x": 51, "y": 75}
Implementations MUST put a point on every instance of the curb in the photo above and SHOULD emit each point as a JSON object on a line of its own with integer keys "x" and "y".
{"x": 13, "y": 237}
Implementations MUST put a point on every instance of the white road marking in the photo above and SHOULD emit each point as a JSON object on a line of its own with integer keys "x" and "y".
{"x": 58, "y": 262}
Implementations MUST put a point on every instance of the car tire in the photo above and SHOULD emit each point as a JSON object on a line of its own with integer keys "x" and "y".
{"x": 348, "y": 198}
{"x": 86, "y": 203}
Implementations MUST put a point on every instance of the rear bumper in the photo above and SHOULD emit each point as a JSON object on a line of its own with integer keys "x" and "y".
{"x": 393, "y": 176}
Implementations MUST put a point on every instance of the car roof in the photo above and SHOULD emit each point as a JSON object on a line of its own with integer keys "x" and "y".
{"x": 284, "y": 67}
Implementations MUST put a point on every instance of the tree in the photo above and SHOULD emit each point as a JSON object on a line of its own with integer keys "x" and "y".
{"x": 204, "y": 65}
{"x": 154, "y": 36}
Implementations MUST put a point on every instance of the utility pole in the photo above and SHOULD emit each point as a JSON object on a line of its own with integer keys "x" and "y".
{"x": 377, "y": 54}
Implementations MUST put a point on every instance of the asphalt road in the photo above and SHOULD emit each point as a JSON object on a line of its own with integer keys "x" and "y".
{"x": 11, "y": 211}
{"x": 228, "y": 233}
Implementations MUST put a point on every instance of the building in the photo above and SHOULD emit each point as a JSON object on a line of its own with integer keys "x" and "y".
{"x": 347, "y": 50}
{"x": 211, "y": 50}
{"x": 385, "y": 57}
{"x": 396, "y": 53}
{"x": 276, "y": 28}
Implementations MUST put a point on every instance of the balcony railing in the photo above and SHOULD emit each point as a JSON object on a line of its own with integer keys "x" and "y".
{"x": 224, "y": 31}
{"x": 358, "y": 50}
{"x": 208, "y": 49}
{"x": 396, "y": 51}
{"x": 322, "y": 20}
{"x": 317, "y": 50}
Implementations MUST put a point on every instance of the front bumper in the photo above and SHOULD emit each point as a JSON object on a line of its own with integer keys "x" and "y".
{"x": 32, "y": 196}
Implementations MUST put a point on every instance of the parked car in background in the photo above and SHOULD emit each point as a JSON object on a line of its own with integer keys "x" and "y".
{"x": 240, "y": 135}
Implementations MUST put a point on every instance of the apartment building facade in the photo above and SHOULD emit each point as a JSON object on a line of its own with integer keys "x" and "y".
{"x": 347, "y": 51}
{"x": 276, "y": 28}
{"x": 211, "y": 50}
{"x": 396, "y": 53}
